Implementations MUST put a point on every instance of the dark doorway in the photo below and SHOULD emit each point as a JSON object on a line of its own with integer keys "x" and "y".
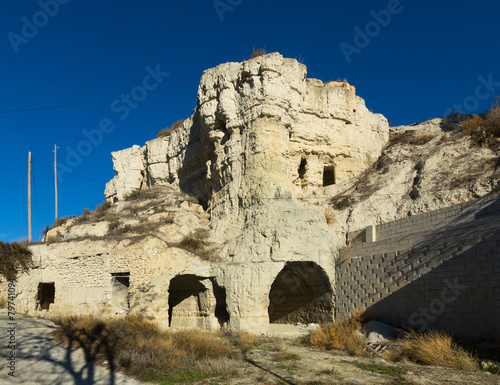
{"x": 328, "y": 176}
{"x": 119, "y": 291}
{"x": 46, "y": 295}
{"x": 191, "y": 301}
{"x": 302, "y": 168}
{"x": 301, "y": 293}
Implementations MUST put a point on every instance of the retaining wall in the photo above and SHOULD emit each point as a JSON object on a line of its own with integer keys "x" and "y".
{"x": 436, "y": 270}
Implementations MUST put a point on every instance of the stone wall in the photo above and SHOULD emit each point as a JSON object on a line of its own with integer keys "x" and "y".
{"x": 438, "y": 270}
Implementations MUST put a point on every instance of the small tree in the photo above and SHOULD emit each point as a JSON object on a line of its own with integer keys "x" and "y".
{"x": 14, "y": 256}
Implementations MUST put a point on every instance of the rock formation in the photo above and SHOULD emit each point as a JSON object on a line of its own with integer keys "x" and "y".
{"x": 263, "y": 154}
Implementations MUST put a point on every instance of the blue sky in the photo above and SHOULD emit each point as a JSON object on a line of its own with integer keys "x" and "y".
{"x": 409, "y": 60}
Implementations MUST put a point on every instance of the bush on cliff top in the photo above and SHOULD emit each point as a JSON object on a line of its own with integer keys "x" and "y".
{"x": 14, "y": 256}
{"x": 484, "y": 128}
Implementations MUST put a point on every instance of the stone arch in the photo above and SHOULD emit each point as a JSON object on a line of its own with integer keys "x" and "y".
{"x": 196, "y": 302}
{"x": 301, "y": 293}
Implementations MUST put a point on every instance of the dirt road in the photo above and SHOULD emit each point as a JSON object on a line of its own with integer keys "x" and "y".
{"x": 40, "y": 361}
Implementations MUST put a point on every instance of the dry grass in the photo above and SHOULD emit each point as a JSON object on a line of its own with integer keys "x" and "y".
{"x": 421, "y": 139}
{"x": 196, "y": 243}
{"x": 484, "y": 129}
{"x": 341, "y": 202}
{"x": 410, "y": 137}
{"x": 139, "y": 347}
{"x": 432, "y": 348}
{"x": 246, "y": 341}
{"x": 330, "y": 217}
{"x": 341, "y": 335}
{"x": 167, "y": 131}
{"x": 258, "y": 52}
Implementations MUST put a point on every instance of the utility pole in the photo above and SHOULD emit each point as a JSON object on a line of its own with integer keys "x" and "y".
{"x": 29, "y": 198}
{"x": 55, "y": 173}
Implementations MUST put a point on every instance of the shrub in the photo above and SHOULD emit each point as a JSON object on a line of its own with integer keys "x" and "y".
{"x": 196, "y": 243}
{"x": 330, "y": 217}
{"x": 139, "y": 347}
{"x": 421, "y": 139}
{"x": 243, "y": 340}
{"x": 163, "y": 133}
{"x": 432, "y": 348}
{"x": 167, "y": 131}
{"x": 258, "y": 52}
{"x": 176, "y": 125}
{"x": 483, "y": 129}
{"x": 60, "y": 222}
{"x": 341, "y": 335}
{"x": 133, "y": 195}
{"x": 102, "y": 209}
{"x": 340, "y": 202}
{"x": 13, "y": 257}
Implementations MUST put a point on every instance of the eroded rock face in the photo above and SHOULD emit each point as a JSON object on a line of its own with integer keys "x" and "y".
{"x": 263, "y": 140}
{"x": 263, "y": 137}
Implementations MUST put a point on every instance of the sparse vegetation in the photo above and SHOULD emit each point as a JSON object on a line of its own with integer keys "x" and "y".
{"x": 413, "y": 137}
{"x": 376, "y": 368}
{"x": 14, "y": 257}
{"x": 330, "y": 217}
{"x": 132, "y": 196}
{"x": 164, "y": 132}
{"x": 167, "y": 131}
{"x": 196, "y": 243}
{"x": 420, "y": 139}
{"x": 432, "y": 348}
{"x": 485, "y": 128}
{"x": 139, "y": 347}
{"x": 61, "y": 221}
{"x": 285, "y": 356}
{"x": 258, "y": 52}
{"x": 341, "y": 335}
{"x": 243, "y": 340}
{"x": 340, "y": 202}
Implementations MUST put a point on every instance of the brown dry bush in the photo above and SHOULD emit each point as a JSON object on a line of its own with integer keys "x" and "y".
{"x": 14, "y": 257}
{"x": 432, "y": 348}
{"x": 196, "y": 243}
{"x": 164, "y": 132}
{"x": 484, "y": 129}
{"x": 258, "y": 52}
{"x": 421, "y": 139}
{"x": 138, "y": 346}
{"x": 410, "y": 137}
{"x": 341, "y": 335}
{"x": 340, "y": 202}
{"x": 330, "y": 217}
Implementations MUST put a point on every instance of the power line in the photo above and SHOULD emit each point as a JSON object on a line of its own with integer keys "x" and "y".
{"x": 104, "y": 65}
{"x": 71, "y": 173}
{"x": 90, "y": 102}
{"x": 158, "y": 43}
{"x": 89, "y": 66}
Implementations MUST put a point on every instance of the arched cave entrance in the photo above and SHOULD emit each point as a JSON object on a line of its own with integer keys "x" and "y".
{"x": 301, "y": 293}
{"x": 196, "y": 302}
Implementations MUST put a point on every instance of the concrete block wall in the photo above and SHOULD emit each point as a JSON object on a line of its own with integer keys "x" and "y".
{"x": 437, "y": 270}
